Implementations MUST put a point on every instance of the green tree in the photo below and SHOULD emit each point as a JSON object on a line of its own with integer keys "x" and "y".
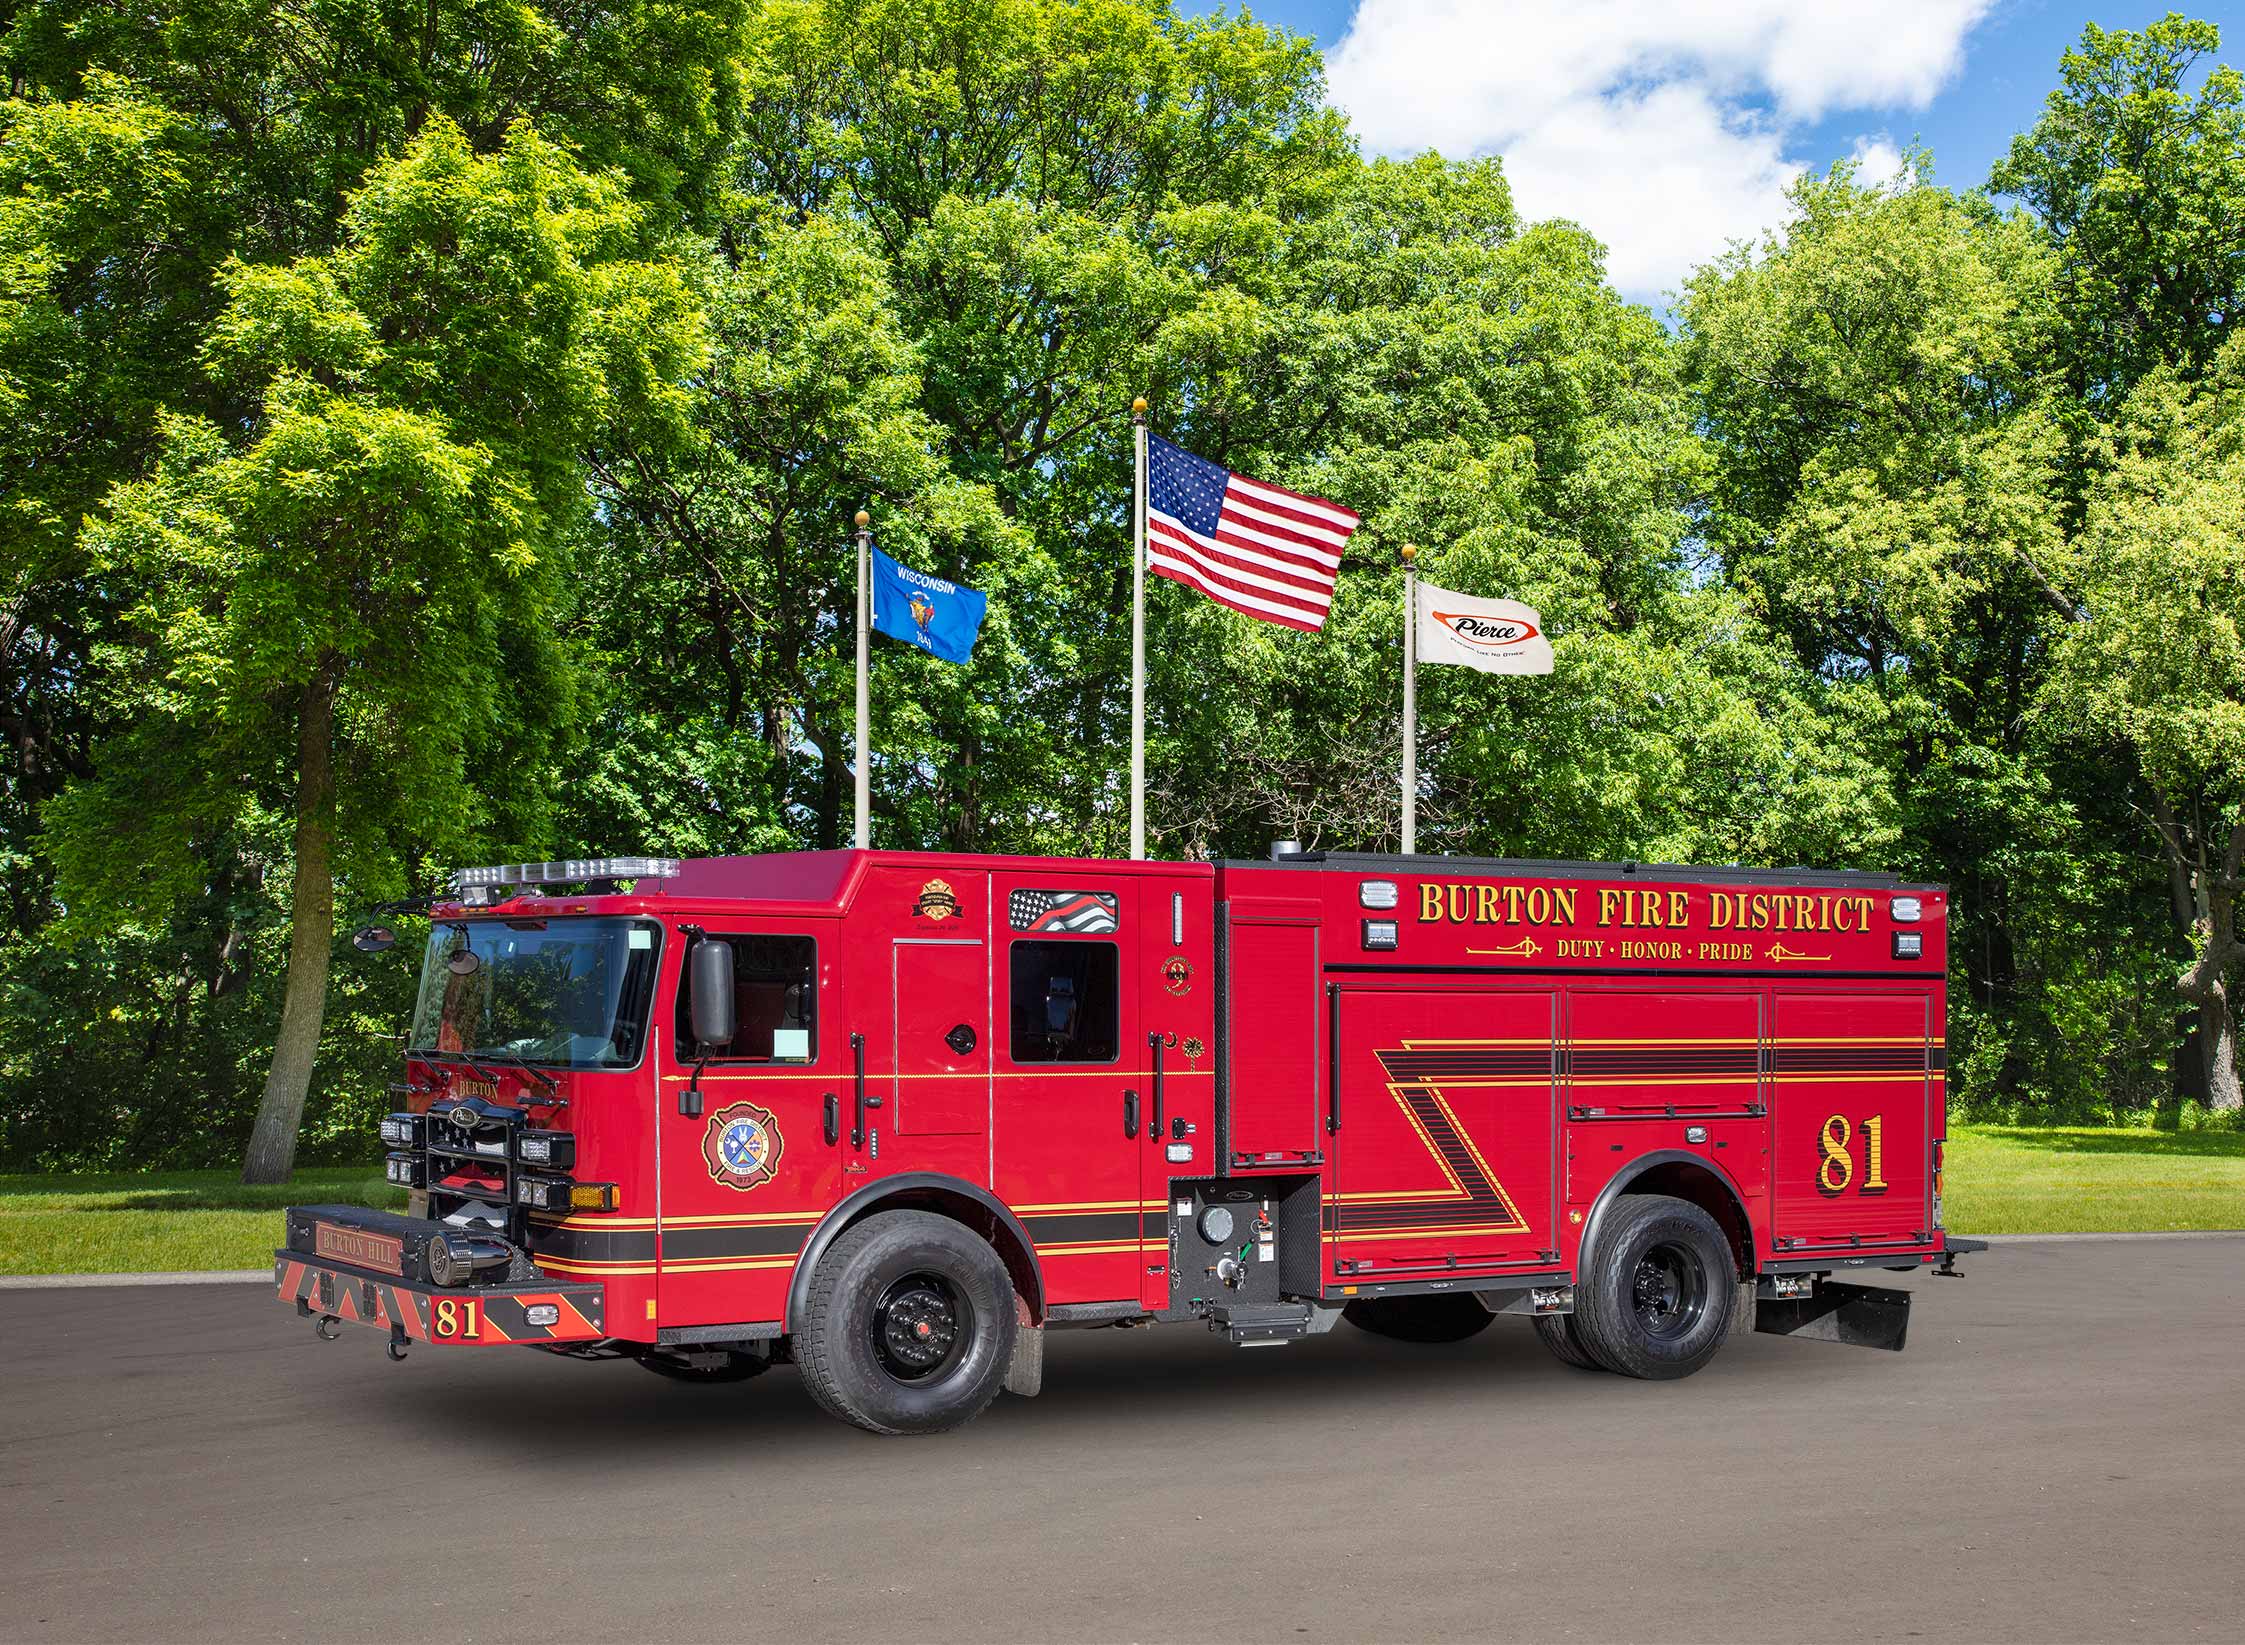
{"x": 2157, "y": 664}
{"x": 2140, "y": 186}
{"x": 354, "y": 600}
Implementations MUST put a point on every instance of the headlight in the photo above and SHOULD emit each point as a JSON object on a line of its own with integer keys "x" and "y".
{"x": 401, "y": 1130}
{"x": 403, "y": 1169}
{"x": 555, "y": 1149}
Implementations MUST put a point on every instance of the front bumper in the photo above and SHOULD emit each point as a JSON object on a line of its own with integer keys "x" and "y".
{"x": 520, "y": 1306}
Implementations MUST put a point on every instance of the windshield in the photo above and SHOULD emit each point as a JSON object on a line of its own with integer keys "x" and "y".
{"x": 571, "y": 993}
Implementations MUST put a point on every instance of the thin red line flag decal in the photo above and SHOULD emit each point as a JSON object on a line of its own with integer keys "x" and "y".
{"x": 1260, "y": 549}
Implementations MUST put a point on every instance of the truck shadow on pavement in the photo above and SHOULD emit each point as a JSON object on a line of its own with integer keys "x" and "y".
{"x": 1097, "y": 1384}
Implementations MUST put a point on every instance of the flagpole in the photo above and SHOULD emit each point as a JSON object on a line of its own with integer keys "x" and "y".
{"x": 864, "y": 696}
{"x": 1138, "y": 637}
{"x": 1410, "y": 700}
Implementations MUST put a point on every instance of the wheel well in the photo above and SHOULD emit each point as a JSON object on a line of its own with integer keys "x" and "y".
{"x": 1682, "y": 1180}
{"x": 1003, "y": 1234}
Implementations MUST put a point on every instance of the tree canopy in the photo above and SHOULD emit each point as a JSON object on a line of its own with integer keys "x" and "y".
{"x": 431, "y": 432}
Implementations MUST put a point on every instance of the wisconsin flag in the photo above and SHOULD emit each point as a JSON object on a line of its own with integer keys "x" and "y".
{"x": 941, "y": 618}
{"x": 1495, "y": 636}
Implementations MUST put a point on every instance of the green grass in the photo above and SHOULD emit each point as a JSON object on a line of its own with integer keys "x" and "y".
{"x": 162, "y": 1220}
{"x": 2006, "y": 1179}
{"x": 2002, "y": 1180}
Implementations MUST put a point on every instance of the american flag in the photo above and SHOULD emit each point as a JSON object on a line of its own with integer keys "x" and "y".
{"x": 1086, "y": 913}
{"x": 1260, "y": 549}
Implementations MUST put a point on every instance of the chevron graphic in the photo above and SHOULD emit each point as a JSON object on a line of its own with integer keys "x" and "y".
{"x": 1475, "y": 1200}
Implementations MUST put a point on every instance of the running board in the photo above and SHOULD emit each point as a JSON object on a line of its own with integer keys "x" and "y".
{"x": 1270, "y": 1324}
{"x": 1861, "y": 1316}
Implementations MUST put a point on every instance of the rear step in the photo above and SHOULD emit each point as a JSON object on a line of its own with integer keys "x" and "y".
{"x": 1270, "y": 1324}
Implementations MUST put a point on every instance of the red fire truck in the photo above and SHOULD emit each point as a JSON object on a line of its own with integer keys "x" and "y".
{"x": 891, "y": 1116}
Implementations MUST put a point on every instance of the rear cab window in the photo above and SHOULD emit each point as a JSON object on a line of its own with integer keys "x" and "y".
{"x": 1065, "y": 1002}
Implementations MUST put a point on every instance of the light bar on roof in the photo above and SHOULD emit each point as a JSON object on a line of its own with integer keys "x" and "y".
{"x": 567, "y": 872}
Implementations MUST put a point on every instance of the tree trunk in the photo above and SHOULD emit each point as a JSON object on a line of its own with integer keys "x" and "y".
{"x": 311, "y": 937}
{"x": 2206, "y": 983}
{"x": 2218, "y": 1039}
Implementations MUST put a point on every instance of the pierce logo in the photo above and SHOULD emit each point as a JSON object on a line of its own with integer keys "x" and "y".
{"x": 1488, "y": 633}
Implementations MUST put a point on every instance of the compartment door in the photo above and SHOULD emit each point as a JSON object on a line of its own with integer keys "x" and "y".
{"x": 1853, "y": 1119}
{"x": 940, "y": 1004}
{"x": 1443, "y": 1160}
{"x": 1273, "y": 1044}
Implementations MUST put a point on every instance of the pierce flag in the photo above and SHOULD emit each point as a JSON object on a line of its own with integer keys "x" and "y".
{"x": 1495, "y": 636}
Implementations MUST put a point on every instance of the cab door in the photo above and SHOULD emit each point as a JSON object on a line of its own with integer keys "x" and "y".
{"x": 750, "y": 1152}
{"x": 1073, "y": 1101}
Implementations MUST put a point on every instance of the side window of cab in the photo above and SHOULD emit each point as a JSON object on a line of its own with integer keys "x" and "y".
{"x": 775, "y": 1000}
{"x": 1065, "y": 999}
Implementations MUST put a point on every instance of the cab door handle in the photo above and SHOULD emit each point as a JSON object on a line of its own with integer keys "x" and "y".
{"x": 833, "y": 1118}
{"x": 1154, "y": 1130}
{"x": 863, "y": 1103}
{"x": 1130, "y": 1113}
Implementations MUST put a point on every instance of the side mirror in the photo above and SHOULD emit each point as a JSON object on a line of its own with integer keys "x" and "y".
{"x": 374, "y": 939}
{"x": 709, "y": 977}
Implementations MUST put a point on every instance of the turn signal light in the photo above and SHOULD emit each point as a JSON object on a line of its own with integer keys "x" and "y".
{"x": 560, "y": 1194}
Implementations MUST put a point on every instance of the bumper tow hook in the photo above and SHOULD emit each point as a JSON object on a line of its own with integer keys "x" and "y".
{"x": 326, "y": 1325}
{"x": 396, "y": 1344}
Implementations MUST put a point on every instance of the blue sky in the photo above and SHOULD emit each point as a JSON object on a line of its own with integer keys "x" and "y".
{"x": 1669, "y": 127}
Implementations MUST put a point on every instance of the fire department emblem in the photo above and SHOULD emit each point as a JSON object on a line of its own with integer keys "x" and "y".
{"x": 937, "y": 901}
{"x": 1177, "y": 974}
{"x": 742, "y": 1146}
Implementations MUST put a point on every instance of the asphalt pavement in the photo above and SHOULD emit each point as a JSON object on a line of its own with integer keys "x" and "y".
{"x": 2057, "y": 1456}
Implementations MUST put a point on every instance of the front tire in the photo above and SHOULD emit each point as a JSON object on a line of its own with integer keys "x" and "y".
{"x": 1443, "y": 1317}
{"x": 1657, "y": 1289}
{"x": 909, "y": 1325}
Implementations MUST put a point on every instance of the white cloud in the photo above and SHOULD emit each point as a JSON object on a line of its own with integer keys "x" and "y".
{"x": 1877, "y": 161}
{"x": 1660, "y": 125}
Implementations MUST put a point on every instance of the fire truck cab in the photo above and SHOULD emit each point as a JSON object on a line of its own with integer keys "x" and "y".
{"x": 891, "y": 1116}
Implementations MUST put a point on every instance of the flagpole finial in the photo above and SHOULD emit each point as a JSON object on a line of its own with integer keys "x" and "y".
{"x": 1138, "y": 407}
{"x": 1409, "y": 551}
{"x": 863, "y": 519}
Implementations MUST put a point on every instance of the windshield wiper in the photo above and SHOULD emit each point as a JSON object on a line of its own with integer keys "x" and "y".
{"x": 515, "y": 1059}
{"x": 473, "y": 1066}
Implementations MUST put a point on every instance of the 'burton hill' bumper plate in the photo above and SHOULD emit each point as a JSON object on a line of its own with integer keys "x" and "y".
{"x": 452, "y": 1316}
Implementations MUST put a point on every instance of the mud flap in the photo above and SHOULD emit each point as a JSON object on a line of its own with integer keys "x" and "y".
{"x": 1025, "y": 1371}
{"x": 1862, "y": 1316}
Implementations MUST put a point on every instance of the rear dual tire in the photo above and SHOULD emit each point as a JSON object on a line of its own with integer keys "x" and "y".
{"x": 1656, "y": 1292}
{"x": 1449, "y": 1316}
